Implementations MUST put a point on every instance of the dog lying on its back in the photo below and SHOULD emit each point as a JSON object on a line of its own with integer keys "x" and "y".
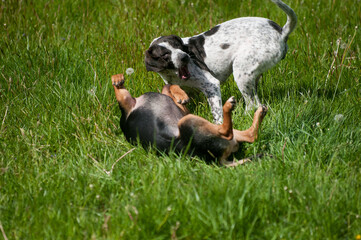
{"x": 162, "y": 120}
{"x": 246, "y": 47}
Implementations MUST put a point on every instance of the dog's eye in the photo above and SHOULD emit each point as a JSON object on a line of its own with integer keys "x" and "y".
{"x": 165, "y": 55}
{"x": 176, "y": 45}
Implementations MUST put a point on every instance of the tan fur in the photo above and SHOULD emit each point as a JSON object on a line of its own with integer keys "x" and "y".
{"x": 224, "y": 131}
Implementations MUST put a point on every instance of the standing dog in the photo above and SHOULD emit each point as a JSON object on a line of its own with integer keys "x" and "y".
{"x": 160, "y": 119}
{"x": 245, "y": 46}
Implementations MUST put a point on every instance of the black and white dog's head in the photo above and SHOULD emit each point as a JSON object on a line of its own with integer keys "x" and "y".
{"x": 168, "y": 53}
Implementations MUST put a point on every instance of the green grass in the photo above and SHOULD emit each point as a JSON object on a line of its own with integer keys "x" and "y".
{"x": 59, "y": 131}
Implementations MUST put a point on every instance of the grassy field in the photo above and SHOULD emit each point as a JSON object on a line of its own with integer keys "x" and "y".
{"x": 66, "y": 171}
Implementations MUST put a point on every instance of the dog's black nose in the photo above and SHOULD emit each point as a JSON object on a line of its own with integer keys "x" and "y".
{"x": 184, "y": 58}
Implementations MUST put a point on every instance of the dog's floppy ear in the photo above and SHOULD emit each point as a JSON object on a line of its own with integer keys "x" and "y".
{"x": 195, "y": 49}
{"x": 152, "y": 62}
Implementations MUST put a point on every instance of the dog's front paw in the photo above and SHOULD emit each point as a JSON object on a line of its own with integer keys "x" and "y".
{"x": 231, "y": 103}
{"x": 118, "y": 81}
{"x": 181, "y": 99}
{"x": 179, "y": 95}
{"x": 262, "y": 110}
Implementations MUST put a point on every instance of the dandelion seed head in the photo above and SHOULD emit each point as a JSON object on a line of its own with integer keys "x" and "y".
{"x": 318, "y": 124}
{"x": 92, "y": 91}
{"x": 97, "y": 196}
{"x": 285, "y": 188}
{"x": 338, "y": 117}
{"x": 129, "y": 71}
{"x": 91, "y": 186}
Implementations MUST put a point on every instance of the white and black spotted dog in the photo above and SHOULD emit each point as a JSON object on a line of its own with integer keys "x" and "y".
{"x": 246, "y": 46}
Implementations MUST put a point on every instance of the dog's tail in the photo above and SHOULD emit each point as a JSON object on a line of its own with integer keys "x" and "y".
{"x": 291, "y": 18}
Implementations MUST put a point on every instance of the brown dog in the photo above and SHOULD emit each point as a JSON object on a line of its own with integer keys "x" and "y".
{"x": 162, "y": 120}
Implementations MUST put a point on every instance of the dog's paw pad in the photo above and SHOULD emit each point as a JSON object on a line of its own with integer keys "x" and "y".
{"x": 181, "y": 98}
{"x": 232, "y": 99}
{"x": 232, "y": 102}
{"x": 263, "y": 110}
{"x": 118, "y": 80}
{"x": 185, "y": 101}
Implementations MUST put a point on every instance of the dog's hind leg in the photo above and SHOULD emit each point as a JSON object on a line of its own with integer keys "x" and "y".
{"x": 251, "y": 134}
{"x": 177, "y": 95}
{"x": 247, "y": 84}
{"x": 201, "y": 126}
{"x": 226, "y": 129}
{"x": 210, "y": 139}
{"x": 125, "y": 100}
{"x": 246, "y": 76}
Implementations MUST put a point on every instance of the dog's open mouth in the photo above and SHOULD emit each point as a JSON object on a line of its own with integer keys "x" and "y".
{"x": 183, "y": 73}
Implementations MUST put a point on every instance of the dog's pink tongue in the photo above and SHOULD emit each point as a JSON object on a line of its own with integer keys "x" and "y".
{"x": 184, "y": 73}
